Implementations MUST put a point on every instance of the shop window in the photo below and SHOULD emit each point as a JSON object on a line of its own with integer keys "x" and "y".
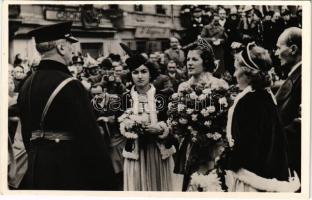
{"x": 138, "y": 8}
{"x": 95, "y": 50}
{"x": 160, "y": 9}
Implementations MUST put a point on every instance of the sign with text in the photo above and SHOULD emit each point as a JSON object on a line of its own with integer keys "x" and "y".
{"x": 152, "y": 32}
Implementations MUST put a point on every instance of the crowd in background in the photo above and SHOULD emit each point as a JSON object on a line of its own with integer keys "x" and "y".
{"x": 226, "y": 30}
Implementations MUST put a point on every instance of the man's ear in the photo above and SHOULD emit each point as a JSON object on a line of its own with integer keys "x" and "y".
{"x": 294, "y": 49}
{"x": 60, "y": 48}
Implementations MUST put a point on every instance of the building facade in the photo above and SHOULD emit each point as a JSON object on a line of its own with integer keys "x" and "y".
{"x": 99, "y": 28}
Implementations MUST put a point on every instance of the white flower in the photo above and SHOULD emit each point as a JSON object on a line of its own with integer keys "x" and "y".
{"x": 204, "y": 112}
{"x": 175, "y": 96}
{"x": 211, "y": 109}
{"x": 174, "y": 123}
{"x": 180, "y": 94}
{"x": 183, "y": 87}
{"x": 131, "y": 135}
{"x": 207, "y": 91}
{"x": 181, "y": 107}
{"x": 193, "y": 96}
{"x": 133, "y": 118}
{"x": 202, "y": 97}
{"x": 183, "y": 121}
{"x": 209, "y": 183}
{"x": 216, "y": 136}
{"x": 209, "y": 135}
{"x": 194, "y": 133}
{"x": 207, "y": 123}
{"x": 189, "y": 111}
{"x": 194, "y": 117}
{"x": 222, "y": 101}
{"x": 128, "y": 123}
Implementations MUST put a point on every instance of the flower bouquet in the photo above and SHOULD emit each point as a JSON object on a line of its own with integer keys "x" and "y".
{"x": 132, "y": 127}
{"x": 205, "y": 183}
{"x": 197, "y": 117}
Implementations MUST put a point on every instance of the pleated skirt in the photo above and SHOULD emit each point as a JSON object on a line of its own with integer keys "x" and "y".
{"x": 150, "y": 172}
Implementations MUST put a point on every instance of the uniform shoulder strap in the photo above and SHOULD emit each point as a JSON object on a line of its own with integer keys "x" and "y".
{"x": 51, "y": 98}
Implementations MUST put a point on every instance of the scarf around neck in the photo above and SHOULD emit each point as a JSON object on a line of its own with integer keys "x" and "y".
{"x": 151, "y": 103}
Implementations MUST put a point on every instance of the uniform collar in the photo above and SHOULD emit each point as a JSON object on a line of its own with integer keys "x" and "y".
{"x": 53, "y": 65}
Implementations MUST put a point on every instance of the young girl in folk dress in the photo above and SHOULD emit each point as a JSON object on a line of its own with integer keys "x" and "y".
{"x": 148, "y": 164}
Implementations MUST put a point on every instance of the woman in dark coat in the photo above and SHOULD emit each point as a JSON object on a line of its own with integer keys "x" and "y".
{"x": 258, "y": 158}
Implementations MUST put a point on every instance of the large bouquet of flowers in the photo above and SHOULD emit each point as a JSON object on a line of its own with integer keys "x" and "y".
{"x": 200, "y": 110}
{"x": 197, "y": 117}
{"x": 131, "y": 125}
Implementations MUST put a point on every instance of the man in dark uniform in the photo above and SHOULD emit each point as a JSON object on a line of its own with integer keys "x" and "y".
{"x": 288, "y": 97}
{"x": 65, "y": 148}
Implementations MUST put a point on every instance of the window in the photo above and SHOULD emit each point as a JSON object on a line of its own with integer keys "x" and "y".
{"x": 138, "y": 8}
{"x": 141, "y": 46}
{"x": 95, "y": 50}
{"x": 160, "y": 9}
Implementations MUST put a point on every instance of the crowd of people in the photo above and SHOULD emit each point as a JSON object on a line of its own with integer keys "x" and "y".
{"x": 108, "y": 126}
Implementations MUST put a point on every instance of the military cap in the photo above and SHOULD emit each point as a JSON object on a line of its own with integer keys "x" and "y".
{"x": 53, "y": 32}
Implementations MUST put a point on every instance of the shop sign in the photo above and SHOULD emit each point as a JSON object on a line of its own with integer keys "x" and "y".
{"x": 152, "y": 32}
{"x": 62, "y": 15}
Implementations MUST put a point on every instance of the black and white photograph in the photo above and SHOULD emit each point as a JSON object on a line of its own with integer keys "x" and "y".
{"x": 201, "y": 97}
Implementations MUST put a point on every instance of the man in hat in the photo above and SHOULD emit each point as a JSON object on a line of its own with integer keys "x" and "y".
{"x": 64, "y": 145}
{"x": 289, "y": 51}
{"x": 78, "y": 64}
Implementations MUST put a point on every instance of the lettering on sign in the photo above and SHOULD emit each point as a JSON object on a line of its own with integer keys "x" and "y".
{"x": 152, "y": 32}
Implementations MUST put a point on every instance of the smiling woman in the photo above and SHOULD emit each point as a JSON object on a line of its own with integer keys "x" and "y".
{"x": 200, "y": 65}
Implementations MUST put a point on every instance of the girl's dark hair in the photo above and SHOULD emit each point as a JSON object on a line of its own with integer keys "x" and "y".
{"x": 137, "y": 60}
{"x": 206, "y": 53}
{"x": 152, "y": 69}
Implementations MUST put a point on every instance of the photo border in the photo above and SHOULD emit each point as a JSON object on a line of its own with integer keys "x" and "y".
{"x": 306, "y": 118}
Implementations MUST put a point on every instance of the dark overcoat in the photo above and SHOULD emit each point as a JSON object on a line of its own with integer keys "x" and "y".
{"x": 259, "y": 141}
{"x": 78, "y": 164}
{"x": 288, "y": 100}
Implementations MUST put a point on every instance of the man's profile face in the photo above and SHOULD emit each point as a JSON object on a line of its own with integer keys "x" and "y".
{"x": 283, "y": 52}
